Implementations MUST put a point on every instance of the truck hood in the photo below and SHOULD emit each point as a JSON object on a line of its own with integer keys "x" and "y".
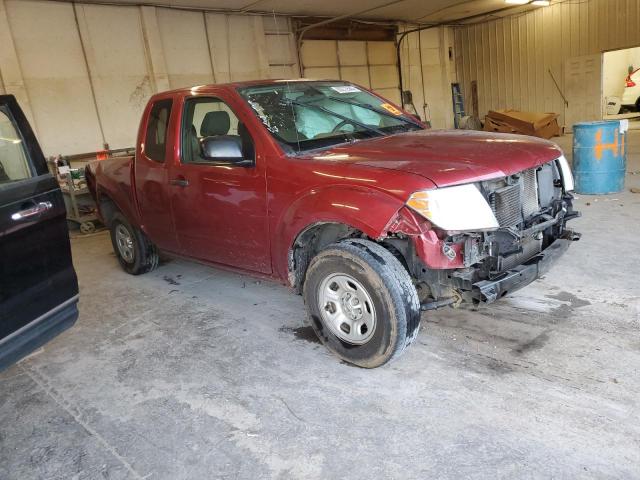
{"x": 447, "y": 157}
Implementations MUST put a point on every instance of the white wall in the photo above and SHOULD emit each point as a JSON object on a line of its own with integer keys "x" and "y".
{"x": 510, "y": 58}
{"x": 84, "y": 72}
{"x": 615, "y": 69}
{"x": 427, "y": 71}
{"x": 371, "y": 64}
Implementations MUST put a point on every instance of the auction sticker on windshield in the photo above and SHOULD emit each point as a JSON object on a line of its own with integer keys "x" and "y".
{"x": 391, "y": 109}
{"x": 346, "y": 89}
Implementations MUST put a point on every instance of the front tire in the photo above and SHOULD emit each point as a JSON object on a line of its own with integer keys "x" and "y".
{"x": 135, "y": 252}
{"x": 361, "y": 302}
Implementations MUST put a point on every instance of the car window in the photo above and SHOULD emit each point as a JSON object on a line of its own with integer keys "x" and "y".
{"x": 14, "y": 163}
{"x": 156, "y": 137}
{"x": 211, "y": 117}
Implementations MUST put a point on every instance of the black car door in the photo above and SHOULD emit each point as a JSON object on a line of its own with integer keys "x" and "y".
{"x": 38, "y": 285}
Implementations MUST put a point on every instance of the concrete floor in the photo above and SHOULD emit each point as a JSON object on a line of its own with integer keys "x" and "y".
{"x": 191, "y": 372}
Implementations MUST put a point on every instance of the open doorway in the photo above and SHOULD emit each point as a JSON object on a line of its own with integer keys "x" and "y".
{"x": 621, "y": 84}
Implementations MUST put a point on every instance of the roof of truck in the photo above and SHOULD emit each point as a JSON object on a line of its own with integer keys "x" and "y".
{"x": 248, "y": 83}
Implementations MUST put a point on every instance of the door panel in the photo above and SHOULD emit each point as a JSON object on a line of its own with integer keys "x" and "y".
{"x": 583, "y": 87}
{"x": 220, "y": 215}
{"x": 36, "y": 272}
{"x": 151, "y": 177}
{"x": 219, "y": 209}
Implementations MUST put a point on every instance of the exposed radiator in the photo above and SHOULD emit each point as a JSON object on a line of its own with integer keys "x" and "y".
{"x": 514, "y": 203}
{"x": 530, "y": 247}
{"x": 530, "y": 204}
{"x": 506, "y": 205}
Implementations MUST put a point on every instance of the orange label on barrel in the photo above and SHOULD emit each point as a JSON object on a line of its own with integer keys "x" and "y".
{"x": 391, "y": 109}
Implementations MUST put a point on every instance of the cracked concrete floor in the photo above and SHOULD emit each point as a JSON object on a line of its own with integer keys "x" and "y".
{"x": 191, "y": 372}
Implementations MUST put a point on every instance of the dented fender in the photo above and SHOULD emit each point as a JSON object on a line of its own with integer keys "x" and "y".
{"x": 365, "y": 209}
{"x": 428, "y": 246}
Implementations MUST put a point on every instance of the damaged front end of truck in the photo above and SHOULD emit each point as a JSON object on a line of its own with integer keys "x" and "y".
{"x": 521, "y": 222}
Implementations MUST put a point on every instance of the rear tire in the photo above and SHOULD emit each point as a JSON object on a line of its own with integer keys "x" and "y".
{"x": 361, "y": 302}
{"x": 135, "y": 252}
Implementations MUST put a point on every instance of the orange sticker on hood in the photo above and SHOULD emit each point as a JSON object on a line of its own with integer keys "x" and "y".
{"x": 391, "y": 109}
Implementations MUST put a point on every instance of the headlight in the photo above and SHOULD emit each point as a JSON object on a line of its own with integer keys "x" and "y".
{"x": 456, "y": 208}
{"x": 567, "y": 176}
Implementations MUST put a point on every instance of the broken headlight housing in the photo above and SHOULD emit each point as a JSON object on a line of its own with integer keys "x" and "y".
{"x": 567, "y": 176}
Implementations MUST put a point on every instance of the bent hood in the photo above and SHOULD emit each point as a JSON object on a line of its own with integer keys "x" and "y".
{"x": 448, "y": 157}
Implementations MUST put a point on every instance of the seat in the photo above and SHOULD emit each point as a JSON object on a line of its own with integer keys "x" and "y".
{"x": 215, "y": 123}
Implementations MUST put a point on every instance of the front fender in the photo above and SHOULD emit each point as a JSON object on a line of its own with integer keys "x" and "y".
{"x": 365, "y": 209}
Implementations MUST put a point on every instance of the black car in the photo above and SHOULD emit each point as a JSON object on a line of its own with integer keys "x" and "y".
{"x": 38, "y": 285}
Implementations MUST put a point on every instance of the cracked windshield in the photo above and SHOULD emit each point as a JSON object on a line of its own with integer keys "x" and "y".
{"x": 308, "y": 115}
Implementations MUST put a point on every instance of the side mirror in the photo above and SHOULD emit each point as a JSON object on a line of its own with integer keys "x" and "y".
{"x": 224, "y": 148}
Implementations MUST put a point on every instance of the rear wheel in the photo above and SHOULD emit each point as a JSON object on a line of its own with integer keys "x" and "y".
{"x": 362, "y": 303}
{"x": 135, "y": 252}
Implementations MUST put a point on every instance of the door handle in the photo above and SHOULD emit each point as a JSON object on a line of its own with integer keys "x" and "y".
{"x": 180, "y": 182}
{"x": 30, "y": 212}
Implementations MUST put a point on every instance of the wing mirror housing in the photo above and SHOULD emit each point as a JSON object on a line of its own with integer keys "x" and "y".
{"x": 224, "y": 149}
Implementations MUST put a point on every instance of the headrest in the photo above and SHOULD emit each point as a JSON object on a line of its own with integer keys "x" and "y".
{"x": 215, "y": 123}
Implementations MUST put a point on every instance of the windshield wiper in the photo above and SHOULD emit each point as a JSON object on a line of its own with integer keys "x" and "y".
{"x": 371, "y": 108}
{"x": 343, "y": 117}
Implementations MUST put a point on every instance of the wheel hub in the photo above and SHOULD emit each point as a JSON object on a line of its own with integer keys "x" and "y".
{"x": 347, "y": 308}
{"x": 351, "y": 306}
{"x": 124, "y": 241}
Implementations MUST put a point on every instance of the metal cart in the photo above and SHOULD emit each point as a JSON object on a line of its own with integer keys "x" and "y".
{"x": 78, "y": 200}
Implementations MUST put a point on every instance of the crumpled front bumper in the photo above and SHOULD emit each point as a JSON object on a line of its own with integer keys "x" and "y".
{"x": 488, "y": 291}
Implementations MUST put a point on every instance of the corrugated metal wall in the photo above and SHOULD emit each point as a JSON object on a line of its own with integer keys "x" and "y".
{"x": 83, "y": 73}
{"x": 511, "y": 57}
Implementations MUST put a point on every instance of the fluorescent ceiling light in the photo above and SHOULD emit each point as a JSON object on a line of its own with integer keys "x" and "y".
{"x": 517, "y": 2}
{"x": 540, "y": 3}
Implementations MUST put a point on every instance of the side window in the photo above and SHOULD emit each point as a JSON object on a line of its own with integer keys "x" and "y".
{"x": 211, "y": 117}
{"x": 14, "y": 163}
{"x": 155, "y": 142}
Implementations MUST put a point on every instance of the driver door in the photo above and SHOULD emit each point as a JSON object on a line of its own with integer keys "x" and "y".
{"x": 219, "y": 208}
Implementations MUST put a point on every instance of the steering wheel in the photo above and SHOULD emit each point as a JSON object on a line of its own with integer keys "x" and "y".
{"x": 339, "y": 126}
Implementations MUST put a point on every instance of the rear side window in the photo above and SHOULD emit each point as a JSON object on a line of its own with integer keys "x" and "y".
{"x": 14, "y": 163}
{"x": 155, "y": 142}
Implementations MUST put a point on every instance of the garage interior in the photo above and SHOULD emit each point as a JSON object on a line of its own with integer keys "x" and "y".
{"x": 196, "y": 372}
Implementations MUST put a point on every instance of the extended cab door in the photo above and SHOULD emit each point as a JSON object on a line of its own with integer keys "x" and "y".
{"x": 220, "y": 208}
{"x": 38, "y": 285}
{"x": 151, "y": 174}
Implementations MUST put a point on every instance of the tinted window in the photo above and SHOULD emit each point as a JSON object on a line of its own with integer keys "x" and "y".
{"x": 211, "y": 117}
{"x": 14, "y": 163}
{"x": 156, "y": 138}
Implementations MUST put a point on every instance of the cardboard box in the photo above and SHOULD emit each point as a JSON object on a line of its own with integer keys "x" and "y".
{"x": 543, "y": 125}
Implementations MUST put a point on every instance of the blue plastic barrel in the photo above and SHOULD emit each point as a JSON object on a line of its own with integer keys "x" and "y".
{"x": 599, "y": 157}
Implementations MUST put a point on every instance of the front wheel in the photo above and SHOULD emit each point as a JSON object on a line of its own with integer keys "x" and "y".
{"x": 135, "y": 252}
{"x": 362, "y": 303}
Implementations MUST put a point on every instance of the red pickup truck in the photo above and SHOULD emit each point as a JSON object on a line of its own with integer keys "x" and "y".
{"x": 340, "y": 194}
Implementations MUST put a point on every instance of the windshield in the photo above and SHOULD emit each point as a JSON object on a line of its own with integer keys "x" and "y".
{"x": 309, "y": 115}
